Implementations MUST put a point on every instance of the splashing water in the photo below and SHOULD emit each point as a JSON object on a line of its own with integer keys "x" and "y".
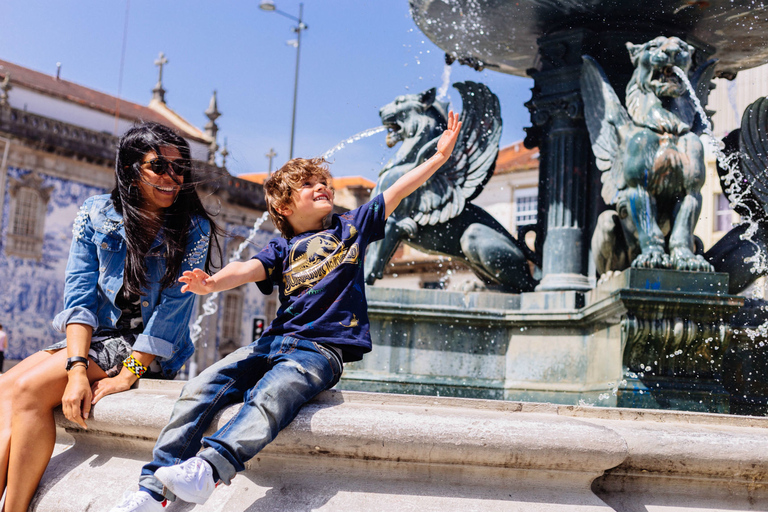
{"x": 209, "y": 306}
{"x": 363, "y": 134}
{"x": 734, "y": 189}
{"x": 442, "y": 92}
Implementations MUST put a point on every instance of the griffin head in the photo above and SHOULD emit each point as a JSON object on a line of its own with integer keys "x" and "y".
{"x": 402, "y": 116}
{"x": 655, "y": 62}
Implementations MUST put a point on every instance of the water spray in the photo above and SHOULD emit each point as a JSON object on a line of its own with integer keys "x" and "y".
{"x": 363, "y": 134}
{"x": 209, "y": 306}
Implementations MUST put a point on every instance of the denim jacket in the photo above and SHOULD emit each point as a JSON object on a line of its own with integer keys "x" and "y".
{"x": 94, "y": 277}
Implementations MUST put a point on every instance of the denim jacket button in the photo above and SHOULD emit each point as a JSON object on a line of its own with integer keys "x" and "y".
{"x": 145, "y": 304}
{"x": 103, "y": 245}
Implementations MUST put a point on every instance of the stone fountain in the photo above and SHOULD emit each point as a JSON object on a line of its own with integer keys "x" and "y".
{"x": 643, "y": 336}
{"x": 652, "y": 332}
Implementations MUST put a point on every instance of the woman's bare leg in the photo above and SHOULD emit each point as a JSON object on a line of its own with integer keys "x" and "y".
{"x": 33, "y": 431}
{"x": 7, "y": 383}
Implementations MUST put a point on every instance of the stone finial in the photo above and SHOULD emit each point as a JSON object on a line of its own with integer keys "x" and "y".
{"x": 5, "y": 86}
{"x": 213, "y": 109}
{"x": 211, "y": 128}
{"x": 224, "y": 154}
{"x": 158, "y": 93}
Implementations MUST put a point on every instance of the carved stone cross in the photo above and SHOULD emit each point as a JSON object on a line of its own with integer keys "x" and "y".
{"x": 271, "y": 155}
{"x": 158, "y": 91}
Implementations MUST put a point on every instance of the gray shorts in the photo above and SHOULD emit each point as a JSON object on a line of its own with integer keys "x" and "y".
{"x": 109, "y": 352}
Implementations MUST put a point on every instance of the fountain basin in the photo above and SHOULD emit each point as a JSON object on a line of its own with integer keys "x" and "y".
{"x": 503, "y": 34}
{"x": 616, "y": 345}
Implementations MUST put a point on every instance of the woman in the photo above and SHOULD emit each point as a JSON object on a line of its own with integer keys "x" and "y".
{"x": 124, "y": 313}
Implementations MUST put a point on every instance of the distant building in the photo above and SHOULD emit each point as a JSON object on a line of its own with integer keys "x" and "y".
{"x": 57, "y": 147}
{"x": 351, "y": 191}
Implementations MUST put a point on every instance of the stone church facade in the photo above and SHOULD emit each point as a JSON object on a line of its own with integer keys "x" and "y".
{"x": 57, "y": 146}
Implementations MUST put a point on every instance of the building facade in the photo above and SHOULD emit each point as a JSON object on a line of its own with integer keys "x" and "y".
{"x": 57, "y": 148}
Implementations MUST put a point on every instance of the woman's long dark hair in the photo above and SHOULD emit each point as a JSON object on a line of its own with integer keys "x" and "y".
{"x": 141, "y": 228}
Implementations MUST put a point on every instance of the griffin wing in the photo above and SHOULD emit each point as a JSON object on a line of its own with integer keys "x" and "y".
{"x": 605, "y": 117}
{"x": 685, "y": 106}
{"x": 753, "y": 144}
{"x": 472, "y": 162}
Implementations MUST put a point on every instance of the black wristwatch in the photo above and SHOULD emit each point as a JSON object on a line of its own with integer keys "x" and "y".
{"x": 77, "y": 359}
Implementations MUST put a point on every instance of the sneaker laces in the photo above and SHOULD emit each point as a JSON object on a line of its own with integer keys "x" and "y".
{"x": 131, "y": 499}
{"x": 191, "y": 471}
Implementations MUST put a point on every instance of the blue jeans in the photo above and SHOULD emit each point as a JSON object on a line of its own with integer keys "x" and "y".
{"x": 273, "y": 377}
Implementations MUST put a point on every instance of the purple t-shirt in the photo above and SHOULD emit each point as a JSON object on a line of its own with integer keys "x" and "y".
{"x": 321, "y": 280}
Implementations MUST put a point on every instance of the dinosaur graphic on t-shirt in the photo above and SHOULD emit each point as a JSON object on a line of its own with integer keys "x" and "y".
{"x": 352, "y": 323}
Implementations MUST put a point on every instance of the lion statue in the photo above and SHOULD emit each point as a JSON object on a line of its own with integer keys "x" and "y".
{"x": 651, "y": 158}
{"x": 438, "y": 217}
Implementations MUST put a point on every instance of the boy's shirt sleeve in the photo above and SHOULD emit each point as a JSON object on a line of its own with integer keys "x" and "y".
{"x": 370, "y": 218}
{"x": 271, "y": 256}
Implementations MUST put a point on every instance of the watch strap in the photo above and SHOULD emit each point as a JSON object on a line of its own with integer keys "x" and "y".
{"x": 77, "y": 359}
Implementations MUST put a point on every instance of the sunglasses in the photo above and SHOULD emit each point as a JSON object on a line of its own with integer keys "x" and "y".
{"x": 160, "y": 166}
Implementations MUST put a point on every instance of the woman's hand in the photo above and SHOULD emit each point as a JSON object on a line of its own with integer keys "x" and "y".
{"x": 196, "y": 281}
{"x": 76, "y": 400}
{"x": 120, "y": 382}
{"x": 448, "y": 139}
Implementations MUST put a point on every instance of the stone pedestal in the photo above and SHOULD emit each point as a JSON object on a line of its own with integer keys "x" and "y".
{"x": 675, "y": 329}
{"x": 643, "y": 338}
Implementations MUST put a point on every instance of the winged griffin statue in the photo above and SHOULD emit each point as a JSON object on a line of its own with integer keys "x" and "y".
{"x": 439, "y": 217}
{"x": 651, "y": 157}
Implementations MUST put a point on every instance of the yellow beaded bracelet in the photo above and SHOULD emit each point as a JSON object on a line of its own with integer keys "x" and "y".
{"x": 135, "y": 366}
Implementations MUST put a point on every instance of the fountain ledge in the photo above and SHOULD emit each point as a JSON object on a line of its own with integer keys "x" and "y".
{"x": 369, "y": 451}
{"x": 555, "y": 346}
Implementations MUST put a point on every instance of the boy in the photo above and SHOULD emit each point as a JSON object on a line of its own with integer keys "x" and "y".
{"x": 322, "y": 321}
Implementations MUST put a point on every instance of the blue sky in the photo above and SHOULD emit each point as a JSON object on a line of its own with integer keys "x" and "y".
{"x": 356, "y": 56}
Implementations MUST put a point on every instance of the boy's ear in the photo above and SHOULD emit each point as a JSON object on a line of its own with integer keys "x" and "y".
{"x": 284, "y": 211}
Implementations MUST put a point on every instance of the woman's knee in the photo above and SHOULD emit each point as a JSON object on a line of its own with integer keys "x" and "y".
{"x": 30, "y": 392}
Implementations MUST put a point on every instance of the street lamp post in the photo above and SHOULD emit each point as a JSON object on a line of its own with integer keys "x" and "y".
{"x": 269, "y": 5}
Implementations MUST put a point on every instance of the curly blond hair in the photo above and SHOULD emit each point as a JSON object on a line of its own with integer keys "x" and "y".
{"x": 280, "y": 186}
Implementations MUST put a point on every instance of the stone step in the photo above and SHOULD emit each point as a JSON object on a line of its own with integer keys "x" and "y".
{"x": 380, "y": 452}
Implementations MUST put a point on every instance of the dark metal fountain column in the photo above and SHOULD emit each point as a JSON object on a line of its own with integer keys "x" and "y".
{"x": 561, "y": 135}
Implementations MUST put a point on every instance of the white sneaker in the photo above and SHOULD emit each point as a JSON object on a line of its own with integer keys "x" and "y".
{"x": 139, "y": 501}
{"x": 192, "y": 480}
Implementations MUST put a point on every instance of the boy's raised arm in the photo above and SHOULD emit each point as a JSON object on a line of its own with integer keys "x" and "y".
{"x": 231, "y": 276}
{"x": 412, "y": 180}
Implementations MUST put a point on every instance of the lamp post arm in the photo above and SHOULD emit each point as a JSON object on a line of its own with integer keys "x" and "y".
{"x": 294, "y": 18}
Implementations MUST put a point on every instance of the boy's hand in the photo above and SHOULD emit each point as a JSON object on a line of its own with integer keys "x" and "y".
{"x": 196, "y": 281}
{"x": 411, "y": 180}
{"x": 448, "y": 139}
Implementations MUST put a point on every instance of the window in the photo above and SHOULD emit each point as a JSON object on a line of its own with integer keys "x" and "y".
{"x": 526, "y": 205}
{"x": 29, "y": 202}
{"x": 723, "y": 213}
